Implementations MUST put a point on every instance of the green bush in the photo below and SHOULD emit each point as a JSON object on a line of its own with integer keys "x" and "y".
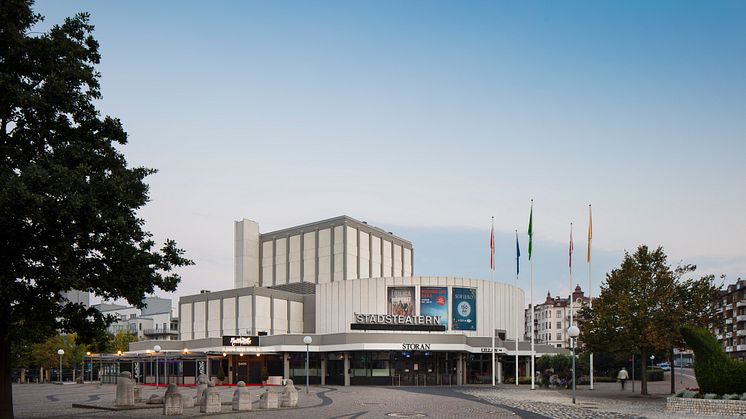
{"x": 686, "y": 394}
{"x": 731, "y": 397}
{"x": 716, "y": 372}
{"x": 711, "y": 396}
{"x": 743, "y": 396}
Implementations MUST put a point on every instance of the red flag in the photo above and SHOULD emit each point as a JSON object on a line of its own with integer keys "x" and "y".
{"x": 492, "y": 245}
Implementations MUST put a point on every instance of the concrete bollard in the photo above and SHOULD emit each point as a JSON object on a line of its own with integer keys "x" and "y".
{"x": 125, "y": 390}
{"x": 172, "y": 401}
{"x": 211, "y": 402}
{"x": 241, "y": 397}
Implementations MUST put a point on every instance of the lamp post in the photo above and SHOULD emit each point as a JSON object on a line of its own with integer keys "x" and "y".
{"x": 90, "y": 362}
{"x": 157, "y": 350}
{"x": 573, "y": 332}
{"x": 60, "y": 352}
{"x": 307, "y": 340}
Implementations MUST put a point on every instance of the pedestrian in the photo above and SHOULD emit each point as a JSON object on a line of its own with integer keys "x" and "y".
{"x": 623, "y": 376}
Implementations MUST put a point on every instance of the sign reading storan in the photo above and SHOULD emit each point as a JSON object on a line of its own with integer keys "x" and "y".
{"x": 464, "y": 309}
{"x": 394, "y": 322}
{"x": 240, "y": 340}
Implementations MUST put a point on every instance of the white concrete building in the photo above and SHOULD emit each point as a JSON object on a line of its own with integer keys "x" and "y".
{"x": 154, "y": 322}
{"x": 351, "y": 288}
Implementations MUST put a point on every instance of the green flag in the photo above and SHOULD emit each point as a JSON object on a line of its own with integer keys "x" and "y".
{"x": 530, "y": 230}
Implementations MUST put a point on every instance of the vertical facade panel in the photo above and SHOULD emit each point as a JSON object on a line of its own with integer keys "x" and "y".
{"x": 309, "y": 257}
{"x": 199, "y": 320}
{"x": 213, "y": 318}
{"x": 339, "y": 253}
{"x": 325, "y": 256}
{"x": 229, "y": 316}
{"x": 294, "y": 259}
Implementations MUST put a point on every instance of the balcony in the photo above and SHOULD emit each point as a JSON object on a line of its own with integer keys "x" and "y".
{"x": 729, "y": 320}
{"x": 741, "y": 303}
{"x": 159, "y": 332}
{"x": 729, "y": 335}
{"x": 741, "y": 332}
{"x": 741, "y": 348}
{"x": 741, "y": 318}
{"x": 728, "y": 349}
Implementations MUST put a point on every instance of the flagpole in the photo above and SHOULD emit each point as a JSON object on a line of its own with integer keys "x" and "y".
{"x": 518, "y": 307}
{"x": 590, "y": 289}
{"x": 533, "y": 312}
{"x": 492, "y": 306}
{"x": 572, "y": 303}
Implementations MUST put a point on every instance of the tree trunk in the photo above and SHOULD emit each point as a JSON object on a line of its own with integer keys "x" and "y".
{"x": 643, "y": 371}
{"x": 673, "y": 376}
{"x": 6, "y": 386}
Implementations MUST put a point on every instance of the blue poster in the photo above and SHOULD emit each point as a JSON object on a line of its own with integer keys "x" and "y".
{"x": 464, "y": 309}
{"x": 434, "y": 302}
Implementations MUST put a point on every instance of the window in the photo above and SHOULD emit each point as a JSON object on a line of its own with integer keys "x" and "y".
{"x": 549, "y": 314}
{"x": 139, "y": 326}
{"x": 559, "y": 336}
{"x": 559, "y": 313}
{"x": 559, "y": 325}
{"x": 132, "y": 316}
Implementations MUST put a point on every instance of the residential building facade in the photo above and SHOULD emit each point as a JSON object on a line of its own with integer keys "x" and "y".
{"x": 732, "y": 336}
{"x": 552, "y": 318}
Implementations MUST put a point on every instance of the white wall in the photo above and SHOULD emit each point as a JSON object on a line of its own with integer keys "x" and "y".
{"x": 229, "y": 316}
{"x": 325, "y": 255}
{"x": 309, "y": 257}
{"x": 268, "y": 260}
{"x": 245, "y": 317}
{"x": 498, "y": 304}
{"x": 199, "y": 320}
{"x": 295, "y": 259}
{"x": 263, "y": 314}
{"x": 185, "y": 322}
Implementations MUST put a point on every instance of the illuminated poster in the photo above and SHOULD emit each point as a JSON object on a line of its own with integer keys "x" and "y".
{"x": 464, "y": 309}
{"x": 434, "y": 302}
{"x": 401, "y": 301}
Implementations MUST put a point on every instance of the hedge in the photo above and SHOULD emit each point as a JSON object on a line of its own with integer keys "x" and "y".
{"x": 716, "y": 372}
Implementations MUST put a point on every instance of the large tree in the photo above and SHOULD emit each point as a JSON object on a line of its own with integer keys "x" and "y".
{"x": 642, "y": 305}
{"x": 68, "y": 199}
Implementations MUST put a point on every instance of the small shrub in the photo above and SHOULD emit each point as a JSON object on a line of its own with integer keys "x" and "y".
{"x": 743, "y": 396}
{"x": 711, "y": 396}
{"x": 688, "y": 394}
{"x": 731, "y": 396}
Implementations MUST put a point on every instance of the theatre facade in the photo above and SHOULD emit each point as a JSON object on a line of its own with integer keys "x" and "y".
{"x": 350, "y": 288}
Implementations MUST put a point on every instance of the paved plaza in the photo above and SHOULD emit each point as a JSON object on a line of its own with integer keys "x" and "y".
{"x": 503, "y": 401}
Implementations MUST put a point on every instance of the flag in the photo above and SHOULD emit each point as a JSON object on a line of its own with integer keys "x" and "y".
{"x": 530, "y": 230}
{"x": 590, "y": 233}
{"x": 571, "y": 247}
{"x": 517, "y": 255}
{"x": 492, "y": 245}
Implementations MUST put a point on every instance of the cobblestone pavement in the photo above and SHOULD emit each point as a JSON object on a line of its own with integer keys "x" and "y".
{"x": 503, "y": 401}
{"x": 55, "y": 401}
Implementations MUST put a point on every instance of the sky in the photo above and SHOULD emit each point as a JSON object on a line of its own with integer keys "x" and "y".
{"x": 427, "y": 118}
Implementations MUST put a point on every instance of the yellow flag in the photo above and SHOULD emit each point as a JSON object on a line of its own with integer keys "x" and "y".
{"x": 590, "y": 233}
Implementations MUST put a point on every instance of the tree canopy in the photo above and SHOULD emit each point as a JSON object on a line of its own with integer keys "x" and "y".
{"x": 642, "y": 305}
{"x": 68, "y": 199}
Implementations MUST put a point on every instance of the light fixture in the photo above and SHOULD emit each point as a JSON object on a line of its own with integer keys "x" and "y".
{"x": 224, "y": 354}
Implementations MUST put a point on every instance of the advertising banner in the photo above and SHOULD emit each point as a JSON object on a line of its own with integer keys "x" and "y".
{"x": 434, "y": 302}
{"x": 401, "y": 301}
{"x": 464, "y": 309}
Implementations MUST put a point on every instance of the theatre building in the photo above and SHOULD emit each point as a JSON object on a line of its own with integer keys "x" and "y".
{"x": 350, "y": 287}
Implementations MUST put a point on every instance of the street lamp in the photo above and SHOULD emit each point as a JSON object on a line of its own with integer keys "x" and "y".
{"x": 307, "y": 340}
{"x": 573, "y": 332}
{"x": 60, "y": 352}
{"x": 157, "y": 350}
{"x": 90, "y": 362}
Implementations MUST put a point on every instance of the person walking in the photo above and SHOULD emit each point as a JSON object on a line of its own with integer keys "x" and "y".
{"x": 623, "y": 376}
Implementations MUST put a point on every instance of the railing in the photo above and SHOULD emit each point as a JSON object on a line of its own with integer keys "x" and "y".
{"x": 741, "y": 318}
{"x": 741, "y": 332}
{"x": 741, "y": 347}
{"x": 729, "y": 335}
{"x": 741, "y": 303}
{"x": 729, "y": 320}
{"x": 151, "y": 332}
{"x": 728, "y": 349}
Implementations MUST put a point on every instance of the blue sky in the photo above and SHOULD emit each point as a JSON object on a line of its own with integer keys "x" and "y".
{"x": 429, "y": 117}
